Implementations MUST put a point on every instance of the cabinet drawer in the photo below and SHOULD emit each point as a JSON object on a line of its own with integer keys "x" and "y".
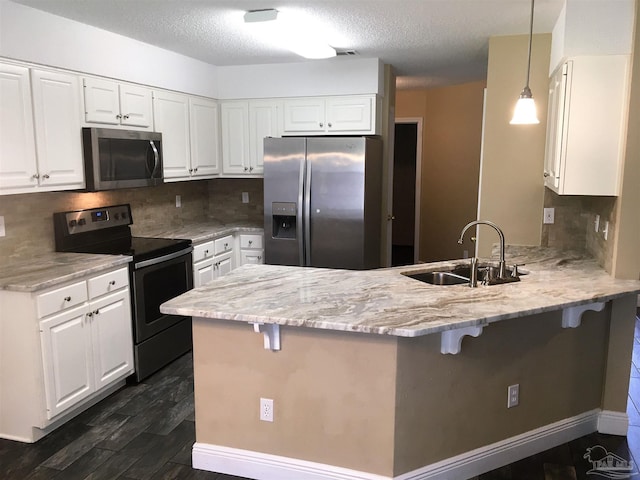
{"x": 61, "y": 298}
{"x": 222, "y": 245}
{"x": 202, "y": 251}
{"x": 250, "y": 241}
{"x": 109, "y": 282}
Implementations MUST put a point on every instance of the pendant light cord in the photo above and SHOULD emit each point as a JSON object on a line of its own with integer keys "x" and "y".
{"x": 530, "y": 39}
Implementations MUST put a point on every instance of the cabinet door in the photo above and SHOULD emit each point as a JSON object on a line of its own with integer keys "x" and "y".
{"x": 203, "y": 272}
{"x": 171, "y": 116}
{"x": 263, "y": 122}
{"x": 235, "y": 137}
{"x": 224, "y": 264}
{"x": 111, "y": 337}
{"x": 136, "y": 106}
{"x": 57, "y": 114}
{"x": 101, "y": 101}
{"x": 203, "y": 125}
{"x": 555, "y": 124}
{"x": 18, "y": 167}
{"x": 350, "y": 114}
{"x": 304, "y": 115}
{"x": 67, "y": 359}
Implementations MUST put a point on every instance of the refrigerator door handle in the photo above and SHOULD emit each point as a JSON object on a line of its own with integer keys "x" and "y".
{"x": 307, "y": 213}
{"x": 300, "y": 212}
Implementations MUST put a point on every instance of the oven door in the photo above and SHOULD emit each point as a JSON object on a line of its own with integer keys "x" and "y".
{"x": 154, "y": 282}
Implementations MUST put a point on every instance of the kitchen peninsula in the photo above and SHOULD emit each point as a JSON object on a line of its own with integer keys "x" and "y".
{"x": 374, "y": 375}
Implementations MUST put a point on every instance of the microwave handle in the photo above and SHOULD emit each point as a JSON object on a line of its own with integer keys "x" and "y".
{"x": 156, "y": 158}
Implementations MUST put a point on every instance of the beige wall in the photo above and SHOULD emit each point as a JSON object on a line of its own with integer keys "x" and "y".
{"x": 511, "y": 175}
{"x": 452, "y": 128}
{"x": 29, "y": 222}
{"x": 626, "y": 256}
{"x": 389, "y": 405}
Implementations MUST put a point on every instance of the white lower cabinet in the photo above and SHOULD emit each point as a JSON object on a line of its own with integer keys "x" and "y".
{"x": 67, "y": 347}
{"x": 89, "y": 347}
{"x": 251, "y": 249}
{"x": 214, "y": 258}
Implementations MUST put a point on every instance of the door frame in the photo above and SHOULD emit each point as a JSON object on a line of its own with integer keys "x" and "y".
{"x": 418, "y": 121}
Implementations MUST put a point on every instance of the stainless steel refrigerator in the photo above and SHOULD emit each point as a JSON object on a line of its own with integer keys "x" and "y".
{"x": 323, "y": 201}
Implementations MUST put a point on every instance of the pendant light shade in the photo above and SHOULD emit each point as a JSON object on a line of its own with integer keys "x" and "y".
{"x": 525, "y": 111}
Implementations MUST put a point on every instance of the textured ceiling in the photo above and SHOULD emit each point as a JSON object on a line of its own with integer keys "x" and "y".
{"x": 429, "y": 42}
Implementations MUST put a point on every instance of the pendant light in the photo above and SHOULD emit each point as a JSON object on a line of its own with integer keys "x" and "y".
{"x": 525, "y": 111}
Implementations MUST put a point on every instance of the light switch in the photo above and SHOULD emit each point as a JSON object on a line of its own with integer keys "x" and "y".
{"x": 2, "y": 231}
{"x": 245, "y": 197}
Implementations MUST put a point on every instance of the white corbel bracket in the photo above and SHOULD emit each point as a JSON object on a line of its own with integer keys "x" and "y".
{"x": 451, "y": 340}
{"x": 572, "y": 316}
{"x": 271, "y": 333}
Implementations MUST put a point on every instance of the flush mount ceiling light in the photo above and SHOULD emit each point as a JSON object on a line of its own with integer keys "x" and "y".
{"x": 291, "y": 33}
{"x": 525, "y": 111}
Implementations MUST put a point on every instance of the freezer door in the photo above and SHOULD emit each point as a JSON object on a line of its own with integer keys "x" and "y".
{"x": 284, "y": 160}
{"x": 340, "y": 180}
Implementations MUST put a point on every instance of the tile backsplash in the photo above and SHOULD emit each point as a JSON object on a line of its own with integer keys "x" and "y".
{"x": 574, "y": 225}
{"x": 29, "y": 224}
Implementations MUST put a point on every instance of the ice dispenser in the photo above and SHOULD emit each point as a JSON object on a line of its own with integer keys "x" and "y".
{"x": 284, "y": 219}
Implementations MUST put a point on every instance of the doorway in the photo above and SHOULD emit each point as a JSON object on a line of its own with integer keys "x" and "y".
{"x": 406, "y": 191}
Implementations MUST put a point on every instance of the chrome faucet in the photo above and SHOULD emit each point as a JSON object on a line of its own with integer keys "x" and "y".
{"x": 502, "y": 268}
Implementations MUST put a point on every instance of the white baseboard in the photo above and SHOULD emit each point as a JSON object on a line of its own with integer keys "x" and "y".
{"x": 262, "y": 466}
{"x": 613, "y": 423}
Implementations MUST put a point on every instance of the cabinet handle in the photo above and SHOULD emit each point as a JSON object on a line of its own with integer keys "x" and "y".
{"x": 546, "y": 174}
{"x": 35, "y": 176}
{"x": 118, "y": 116}
{"x": 112, "y": 283}
{"x": 96, "y": 312}
{"x": 226, "y": 245}
{"x": 251, "y": 169}
{"x": 250, "y": 242}
{"x": 259, "y": 257}
{"x": 45, "y": 176}
{"x": 67, "y": 299}
{"x": 190, "y": 171}
{"x": 246, "y": 168}
{"x": 329, "y": 124}
{"x": 126, "y": 117}
{"x": 195, "y": 169}
{"x": 321, "y": 124}
{"x": 90, "y": 314}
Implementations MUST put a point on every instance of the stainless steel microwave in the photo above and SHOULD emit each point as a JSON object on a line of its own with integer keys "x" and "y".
{"x": 121, "y": 158}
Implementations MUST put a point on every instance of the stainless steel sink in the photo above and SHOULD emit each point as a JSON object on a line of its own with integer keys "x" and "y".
{"x": 438, "y": 278}
{"x": 487, "y": 274}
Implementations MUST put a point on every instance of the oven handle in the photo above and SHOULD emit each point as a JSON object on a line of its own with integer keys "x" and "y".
{"x": 164, "y": 258}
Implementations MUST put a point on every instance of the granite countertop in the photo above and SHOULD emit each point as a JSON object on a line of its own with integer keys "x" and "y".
{"x": 199, "y": 232}
{"x": 386, "y": 302}
{"x": 49, "y": 269}
{"x": 33, "y": 273}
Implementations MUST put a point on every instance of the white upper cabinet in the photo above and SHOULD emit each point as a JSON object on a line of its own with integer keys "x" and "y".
{"x": 204, "y": 127}
{"x": 117, "y": 104}
{"x": 588, "y": 99}
{"x": 57, "y": 114}
{"x": 18, "y": 166}
{"x": 245, "y": 124}
{"x": 189, "y": 127}
{"x": 351, "y": 114}
{"x": 171, "y": 116}
{"x": 48, "y": 155}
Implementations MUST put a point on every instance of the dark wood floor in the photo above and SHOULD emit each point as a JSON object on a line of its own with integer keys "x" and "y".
{"x": 146, "y": 431}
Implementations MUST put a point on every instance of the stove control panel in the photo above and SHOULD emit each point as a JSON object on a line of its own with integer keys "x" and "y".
{"x": 92, "y": 219}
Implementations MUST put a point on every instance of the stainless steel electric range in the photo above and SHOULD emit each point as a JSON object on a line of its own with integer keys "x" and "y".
{"x": 160, "y": 269}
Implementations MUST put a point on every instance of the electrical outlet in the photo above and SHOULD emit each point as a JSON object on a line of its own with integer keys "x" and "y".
{"x": 266, "y": 409}
{"x": 178, "y": 201}
{"x": 2, "y": 230}
{"x": 513, "y": 395}
{"x": 549, "y": 215}
{"x": 245, "y": 197}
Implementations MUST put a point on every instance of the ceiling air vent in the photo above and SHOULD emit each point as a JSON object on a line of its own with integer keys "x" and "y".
{"x": 347, "y": 53}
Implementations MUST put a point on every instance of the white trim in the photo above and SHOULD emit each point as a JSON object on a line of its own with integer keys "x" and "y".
{"x": 613, "y": 423}
{"x": 451, "y": 340}
{"x": 572, "y": 316}
{"x": 264, "y": 466}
